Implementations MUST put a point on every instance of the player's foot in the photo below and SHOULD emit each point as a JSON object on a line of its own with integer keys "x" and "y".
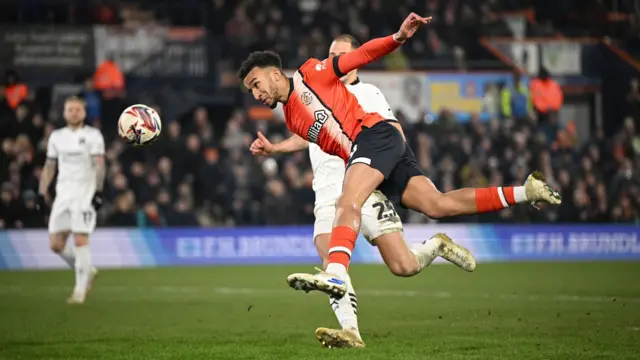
{"x": 454, "y": 253}
{"x": 344, "y": 338}
{"x": 77, "y": 297}
{"x": 537, "y": 190}
{"x": 322, "y": 281}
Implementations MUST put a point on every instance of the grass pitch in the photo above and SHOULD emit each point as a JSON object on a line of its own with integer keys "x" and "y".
{"x": 502, "y": 311}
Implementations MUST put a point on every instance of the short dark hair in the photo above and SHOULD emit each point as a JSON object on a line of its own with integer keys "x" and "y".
{"x": 260, "y": 59}
{"x": 348, "y": 38}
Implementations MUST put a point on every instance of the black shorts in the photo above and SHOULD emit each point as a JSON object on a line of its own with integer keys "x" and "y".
{"x": 383, "y": 148}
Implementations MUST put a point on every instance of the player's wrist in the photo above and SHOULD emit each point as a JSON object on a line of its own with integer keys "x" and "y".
{"x": 276, "y": 149}
{"x": 399, "y": 38}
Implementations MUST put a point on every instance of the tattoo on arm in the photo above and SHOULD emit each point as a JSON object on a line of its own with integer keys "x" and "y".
{"x": 101, "y": 171}
{"x": 48, "y": 171}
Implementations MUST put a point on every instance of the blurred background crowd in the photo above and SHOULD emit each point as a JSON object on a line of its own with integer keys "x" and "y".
{"x": 200, "y": 172}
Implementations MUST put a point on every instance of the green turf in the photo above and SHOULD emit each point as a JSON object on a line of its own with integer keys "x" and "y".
{"x": 503, "y": 311}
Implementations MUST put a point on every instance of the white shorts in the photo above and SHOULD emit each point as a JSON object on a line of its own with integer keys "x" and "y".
{"x": 70, "y": 216}
{"x": 379, "y": 217}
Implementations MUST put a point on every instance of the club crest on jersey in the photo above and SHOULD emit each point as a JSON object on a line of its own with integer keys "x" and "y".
{"x": 306, "y": 98}
{"x": 321, "y": 66}
{"x": 320, "y": 117}
{"x": 81, "y": 141}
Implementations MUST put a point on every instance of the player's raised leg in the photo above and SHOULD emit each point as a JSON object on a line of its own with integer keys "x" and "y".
{"x": 360, "y": 181}
{"x": 381, "y": 225}
{"x": 422, "y": 195}
{"x": 345, "y": 308}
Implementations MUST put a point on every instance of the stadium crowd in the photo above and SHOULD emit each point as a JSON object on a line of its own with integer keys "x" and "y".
{"x": 195, "y": 175}
{"x": 198, "y": 175}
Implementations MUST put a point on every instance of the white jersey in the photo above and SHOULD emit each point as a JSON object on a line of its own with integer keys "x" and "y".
{"x": 74, "y": 150}
{"x": 328, "y": 170}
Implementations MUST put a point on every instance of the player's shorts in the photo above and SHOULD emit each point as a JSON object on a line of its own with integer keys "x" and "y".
{"x": 68, "y": 216}
{"x": 379, "y": 217}
{"x": 383, "y": 148}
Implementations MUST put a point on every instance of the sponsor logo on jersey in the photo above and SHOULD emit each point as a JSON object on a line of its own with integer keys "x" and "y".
{"x": 320, "y": 117}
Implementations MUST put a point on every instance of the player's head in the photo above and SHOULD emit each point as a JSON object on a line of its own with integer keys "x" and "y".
{"x": 262, "y": 74}
{"x": 343, "y": 44}
{"x": 74, "y": 111}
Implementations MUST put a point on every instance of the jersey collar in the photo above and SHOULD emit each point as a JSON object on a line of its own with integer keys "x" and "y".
{"x": 290, "y": 88}
{"x": 356, "y": 81}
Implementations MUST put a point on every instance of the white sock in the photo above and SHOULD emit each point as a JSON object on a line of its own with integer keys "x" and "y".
{"x": 425, "y": 253}
{"x": 519, "y": 194}
{"x": 68, "y": 255}
{"x": 83, "y": 268}
{"x": 337, "y": 269}
{"x": 346, "y": 308}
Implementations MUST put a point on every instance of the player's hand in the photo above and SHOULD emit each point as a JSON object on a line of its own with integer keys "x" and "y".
{"x": 261, "y": 146}
{"x": 97, "y": 201}
{"x": 410, "y": 25}
{"x": 43, "y": 202}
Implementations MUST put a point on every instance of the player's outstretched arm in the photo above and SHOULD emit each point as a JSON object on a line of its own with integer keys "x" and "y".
{"x": 376, "y": 48}
{"x": 262, "y": 145}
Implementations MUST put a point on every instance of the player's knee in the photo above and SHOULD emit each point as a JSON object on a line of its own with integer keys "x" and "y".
{"x": 404, "y": 268}
{"x": 348, "y": 207}
{"x": 81, "y": 239}
{"x": 56, "y": 245}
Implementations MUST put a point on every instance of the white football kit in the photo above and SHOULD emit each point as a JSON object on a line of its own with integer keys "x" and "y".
{"x": 378, "y": 214}
{"x": 76, "y": 184}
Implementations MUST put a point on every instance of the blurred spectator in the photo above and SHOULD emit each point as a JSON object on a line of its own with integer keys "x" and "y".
{"x": 15, "y": 91}
{"x": 515, "y": 100}
{"x": 150, "y": 216}
{"x": 546, "y": 96}
{"x": 92, "y": 99}
{"x": 124, "y": 214}
{"x": 109, "y": 79}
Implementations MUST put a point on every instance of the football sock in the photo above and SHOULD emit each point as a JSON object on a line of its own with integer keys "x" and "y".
{"x": 341, "y": 244}
{"x": 346, "y": 308}
{"x": 498, "y": 198}
{"x": 83, "y": 268}
{"x": 68, "y": 255}
{"x": 425, "y": 253}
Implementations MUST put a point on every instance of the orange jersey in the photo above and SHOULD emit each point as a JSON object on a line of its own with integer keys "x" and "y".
{"x": 321, "y": 110}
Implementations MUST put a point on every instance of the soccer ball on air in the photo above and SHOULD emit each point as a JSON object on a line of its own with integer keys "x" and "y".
{"x": 139, "y": 125}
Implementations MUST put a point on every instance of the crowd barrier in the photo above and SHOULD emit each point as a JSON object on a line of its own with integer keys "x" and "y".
{"x": 29, "y": 249}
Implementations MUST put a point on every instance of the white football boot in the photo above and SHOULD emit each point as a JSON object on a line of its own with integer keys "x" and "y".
{"x": 322, "y": 281}
{"x": 343, "y": 338}
{"x": 78, "y": 297}
{"x": 537, "y": 190}
{"x": 453, "y": 252}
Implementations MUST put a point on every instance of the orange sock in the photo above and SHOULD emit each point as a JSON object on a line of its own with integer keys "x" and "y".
{"x": 341, "y": 244}
{"x": 496, "y": 198}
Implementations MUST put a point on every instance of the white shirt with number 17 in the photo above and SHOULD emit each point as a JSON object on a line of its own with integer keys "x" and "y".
{"x": 74, "y": 149}
{"x": 328, "y": 170}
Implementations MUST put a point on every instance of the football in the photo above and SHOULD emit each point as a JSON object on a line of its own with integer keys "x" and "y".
{"x": 139, "y": 125}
